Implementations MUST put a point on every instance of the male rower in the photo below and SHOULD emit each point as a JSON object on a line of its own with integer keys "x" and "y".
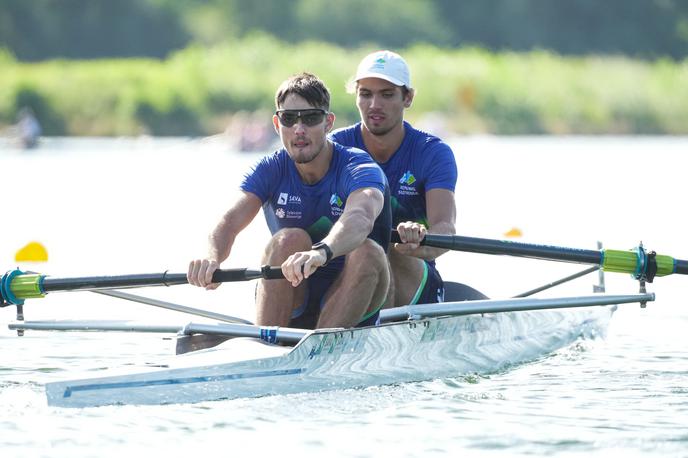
{"x": 420, "y": 168}
{"x": 328, "y": 209}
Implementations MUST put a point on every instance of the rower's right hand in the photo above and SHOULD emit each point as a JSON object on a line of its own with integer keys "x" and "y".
{"x": 411, "y": 234}
{"x": 201, "y": 273}
{"x": 301, "y": 265}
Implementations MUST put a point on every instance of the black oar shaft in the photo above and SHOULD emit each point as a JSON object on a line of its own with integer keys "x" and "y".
{"x": 681, "y": 267}
{"x": 51, "y": 284}
{"x": 642, "y": 264}
{"x": 528, "y": 250}
{"x": 16, "y": 286}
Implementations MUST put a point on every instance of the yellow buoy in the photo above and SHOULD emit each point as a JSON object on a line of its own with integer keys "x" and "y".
{"x": 32, "y": 252}
{"x": 513, "y": 232}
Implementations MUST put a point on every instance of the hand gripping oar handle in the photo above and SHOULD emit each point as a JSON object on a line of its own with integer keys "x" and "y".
{"x": 16, "y": 286}
{"x": 638, "y": 262}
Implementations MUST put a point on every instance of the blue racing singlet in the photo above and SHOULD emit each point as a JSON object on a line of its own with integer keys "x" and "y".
{"x": 289, "y": 202}
{"x": 422, "y": 162}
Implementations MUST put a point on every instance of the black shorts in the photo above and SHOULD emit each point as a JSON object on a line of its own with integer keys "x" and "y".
{"x": 431, "y": 288}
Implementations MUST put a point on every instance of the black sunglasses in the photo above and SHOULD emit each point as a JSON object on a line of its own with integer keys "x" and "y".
{"x": 311, "y": 117}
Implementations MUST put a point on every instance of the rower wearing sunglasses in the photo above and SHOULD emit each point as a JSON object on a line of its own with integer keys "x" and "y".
{"x": 421, "y": 170}
{"x": 328, "y": 209}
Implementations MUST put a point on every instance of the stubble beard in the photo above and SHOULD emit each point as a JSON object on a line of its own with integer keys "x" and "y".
{"x": 306, "y": 158}
{"x": 379, "y": 130}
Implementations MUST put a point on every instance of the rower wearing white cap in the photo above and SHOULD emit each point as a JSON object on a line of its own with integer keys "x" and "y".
{"x": 420, "y": 168}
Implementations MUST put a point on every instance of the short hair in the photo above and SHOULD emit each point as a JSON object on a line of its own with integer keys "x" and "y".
{"x": 305, "y": 85}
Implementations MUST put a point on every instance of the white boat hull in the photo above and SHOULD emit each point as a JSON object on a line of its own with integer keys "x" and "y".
{"x": 326, "y": 360}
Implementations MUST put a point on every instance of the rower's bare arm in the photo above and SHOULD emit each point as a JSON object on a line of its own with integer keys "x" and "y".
{"x": 352, "y": 228}
{"x": 221, "y": 239}
{"x": 441, "y": 208}
{"x": 231, "y": 224}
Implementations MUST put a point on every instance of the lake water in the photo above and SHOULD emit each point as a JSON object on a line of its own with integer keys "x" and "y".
{"x": 120, "y": 206}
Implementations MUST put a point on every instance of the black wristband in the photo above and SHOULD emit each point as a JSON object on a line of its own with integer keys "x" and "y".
{"x": 328, "y": 251}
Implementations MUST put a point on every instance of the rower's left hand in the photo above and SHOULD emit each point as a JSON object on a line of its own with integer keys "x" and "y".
{"x": 301, "y": 265}
{"x": 411, "y": 234}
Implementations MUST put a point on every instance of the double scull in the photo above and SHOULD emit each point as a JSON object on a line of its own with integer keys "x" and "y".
{"x": 412, "y": 343}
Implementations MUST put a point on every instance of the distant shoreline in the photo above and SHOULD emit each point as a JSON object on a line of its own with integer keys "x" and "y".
{"x": 203, "y": 91}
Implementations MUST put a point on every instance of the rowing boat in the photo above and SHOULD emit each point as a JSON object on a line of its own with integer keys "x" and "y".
{"x": 412, "y": 343}
{"x": 419, "y": 349}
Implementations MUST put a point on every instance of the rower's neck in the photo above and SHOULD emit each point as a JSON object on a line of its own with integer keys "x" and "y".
{"x": 314, "y": 171}
{"x": 383, "y": 147}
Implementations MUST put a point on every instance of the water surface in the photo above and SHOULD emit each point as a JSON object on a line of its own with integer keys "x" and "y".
{"x": 116, "y": 206}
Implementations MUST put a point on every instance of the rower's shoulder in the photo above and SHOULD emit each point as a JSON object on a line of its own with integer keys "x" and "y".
{"x": 347, "y": 135}
{"x": 422, "y": 138}
{"x": 275, "y": 161}
{"x": 349, "y": 151}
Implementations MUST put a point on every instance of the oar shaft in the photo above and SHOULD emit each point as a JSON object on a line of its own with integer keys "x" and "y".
{"x": 528, "y": 250}
{"x": 15, "y": 286}
{"x": 636, "y": 262}
{"x": 490, "y": 246}
{"x": 51, "y": 284}
{"x": 681, "y": 266}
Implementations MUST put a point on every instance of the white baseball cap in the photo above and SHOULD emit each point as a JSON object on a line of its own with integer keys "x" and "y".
{"x": 387, "y": 65}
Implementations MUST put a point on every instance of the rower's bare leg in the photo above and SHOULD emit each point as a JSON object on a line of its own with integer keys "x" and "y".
{"x": 407, "y": 273}
{"x": 276, "y": 299}
{"x": 360, "y": 288}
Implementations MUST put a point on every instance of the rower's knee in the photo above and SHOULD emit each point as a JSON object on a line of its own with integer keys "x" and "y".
{"x": 285, "y": 243}
{"x": 369, "y": 258}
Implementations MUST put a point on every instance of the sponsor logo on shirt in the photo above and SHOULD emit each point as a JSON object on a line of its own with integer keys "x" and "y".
{"x": 336, "y": 205}
{"x": 407, "y": 178}
{"x": 407, "y": 187}
{"x": 289, "y": 214}
{"x": 289, "y": 200}
{"x": 335, "y": 200}
{"x": 284, "y": 199}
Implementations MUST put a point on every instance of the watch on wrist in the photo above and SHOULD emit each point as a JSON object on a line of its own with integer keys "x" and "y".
{"x": 323, "y": 246}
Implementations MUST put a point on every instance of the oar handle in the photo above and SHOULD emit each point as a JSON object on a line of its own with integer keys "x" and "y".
{"x": 230, "y": 275}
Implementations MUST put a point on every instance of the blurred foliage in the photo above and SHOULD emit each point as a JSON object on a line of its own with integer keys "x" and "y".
{"x": 470, "y": 90}
{"x": 40, "y": 29}
{"x": 45, "y": 29}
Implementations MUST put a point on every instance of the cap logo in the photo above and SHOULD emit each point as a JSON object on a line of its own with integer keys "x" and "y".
{"x": 379, "y": 64}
